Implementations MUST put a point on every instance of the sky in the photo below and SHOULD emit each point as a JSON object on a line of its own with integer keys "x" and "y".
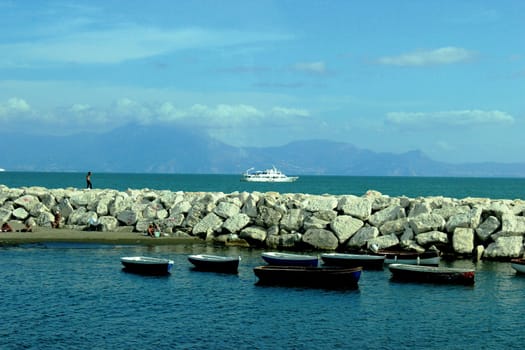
{"x": 445, "y": 77}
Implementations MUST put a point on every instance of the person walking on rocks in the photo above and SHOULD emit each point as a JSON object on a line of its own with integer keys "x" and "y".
{"x": 88, "y": 181}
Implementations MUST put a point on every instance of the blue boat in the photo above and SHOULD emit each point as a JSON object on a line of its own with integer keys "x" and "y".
{"x": 287, "y": 259}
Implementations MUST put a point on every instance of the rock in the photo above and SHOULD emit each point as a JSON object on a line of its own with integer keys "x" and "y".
{"x": 431, "y": 237}
{"x": 20, "y": 213}
{"x": 320, "y": 203}
{"x": 388, "y": 214}
{"x": 384, "y": 242}
{"x": 293, "y": 219}
{"x": 427, "y": 222}
{"x": 108, "y": 223}
{"x": 227, "y": 209}
{"x": 512, "y": 225}
{"x": 28, "y": 202}
{"x": 289, "y": 240}
{"x": 470, "y": 219}
{"x": 362, "y": 236}
{"x": 315, "y": 222}
{"x": 360, "y": 208}
{"x": 344, "y": 227}
{"x": 127, "y": 217}
{"x": 5, "y": 215}
{"x": 250, "y": 206}
{"x": 207, "y": 225}
{"x": 396, "y": 227}
{"x": 419, "y": 208}
{"x": 236, "y": 222}
{"x": 253, "y": 234}
{"x": 463, "y": 240}
{"x": 505, "y": 247}
{"x": 268, "y": 216}
{"x": 487, "y": 227}
{"x": 320, "y": 239}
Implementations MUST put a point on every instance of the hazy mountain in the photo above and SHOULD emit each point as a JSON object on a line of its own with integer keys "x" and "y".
{"x": 157, "y": 149}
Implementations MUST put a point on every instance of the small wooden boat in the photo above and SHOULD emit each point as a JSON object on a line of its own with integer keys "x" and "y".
{"x": 147, "y": 265}
{"x": 518, "y": 264}
{"x": 306, "y": 276}
{"x": 366, "y": 261}
{"x": 432, "y": 274}
{"x": 430, "y": 258}
{"x": 215, "y": 263}
{"x": 287, "y": 259}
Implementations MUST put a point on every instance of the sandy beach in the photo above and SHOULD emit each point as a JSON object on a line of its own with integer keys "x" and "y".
{"x": 43, "y": 234}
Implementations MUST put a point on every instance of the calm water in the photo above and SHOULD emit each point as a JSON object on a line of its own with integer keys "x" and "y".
{"x": 60, "y": 296}
{"x": 63, "y": 296}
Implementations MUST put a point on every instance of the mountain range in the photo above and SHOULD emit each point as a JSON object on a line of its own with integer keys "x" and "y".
{"x": 154, "y": 149}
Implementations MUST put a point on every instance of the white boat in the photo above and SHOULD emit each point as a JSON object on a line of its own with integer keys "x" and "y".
{"x": 217, "y": 263}
{"x": 147, "y": 265}
{"x": 430, "y": 257}
{"x": 518, "y": 264}
{"x": 287, "y": 259}
{"x": 366, "y": 261}
{"x": 268, "y": 175}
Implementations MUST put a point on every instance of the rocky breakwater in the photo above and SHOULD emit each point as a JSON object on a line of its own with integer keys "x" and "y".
{"x": 469, "y": 227}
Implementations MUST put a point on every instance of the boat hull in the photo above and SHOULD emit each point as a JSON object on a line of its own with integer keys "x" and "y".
{"x": 366, "y": 261}
{"x": 285, "y": 259}
{"x": 249, "y": 178}
{"x": 146, "y": 265}
{"x": 304, "y": 276}
{"x": 430, "y": 258}
{"x": 215, "y": 263}
{"x": 432, "y": 274}
{"x": 518, "y": 265}
{"x": 269, "y": 175}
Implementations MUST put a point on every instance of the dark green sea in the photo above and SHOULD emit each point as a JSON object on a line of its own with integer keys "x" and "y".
{"x": 74, "y": 296}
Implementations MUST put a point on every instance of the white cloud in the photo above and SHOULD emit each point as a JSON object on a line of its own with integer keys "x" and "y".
{"x": 311, "y": 67}
{"x": 13, "y": 108}
{"x": 444, "y": 55}
{"x": 294, "y": 112}
{"x": 122, "y": 43}
{"x": 454, "y": 118}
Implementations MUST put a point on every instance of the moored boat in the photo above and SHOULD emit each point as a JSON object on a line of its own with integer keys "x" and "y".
{"x": 432, "y": 274}
{"x": 518, "y": 264}
{"x": 288, "y": 259}
{"x": 147, "y": 265}
{"x": 305, "y": 276}
{"x": 215, "y": 263}
{"x": 429, "y": 258}
{"x": 366, "y": 261}
{"x": 268, "y": 175}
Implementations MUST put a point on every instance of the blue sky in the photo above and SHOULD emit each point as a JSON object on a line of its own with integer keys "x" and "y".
{"x": 445, "y": 77}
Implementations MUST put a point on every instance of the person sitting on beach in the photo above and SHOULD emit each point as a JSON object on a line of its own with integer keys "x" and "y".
{"x": 56, "y": 223}
{"x": 151, "y": 230}
{"x": 6, "y": 227}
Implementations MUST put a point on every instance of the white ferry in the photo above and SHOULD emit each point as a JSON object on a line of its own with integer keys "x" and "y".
{"x": 268, "y": 175}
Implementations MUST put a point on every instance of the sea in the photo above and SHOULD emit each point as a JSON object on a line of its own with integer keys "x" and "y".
{"x": 76, "y": 296}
